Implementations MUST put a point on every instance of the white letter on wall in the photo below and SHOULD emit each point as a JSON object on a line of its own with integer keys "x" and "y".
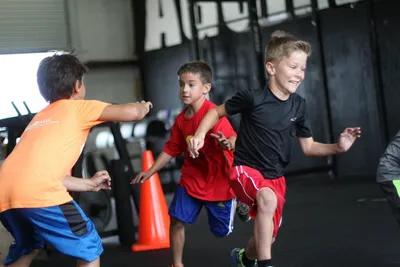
{"x": 209, "y": 17}
{"x": 276, "y": 6}
{"x": 168, "y": 24}
{"x": 231, "y": 11}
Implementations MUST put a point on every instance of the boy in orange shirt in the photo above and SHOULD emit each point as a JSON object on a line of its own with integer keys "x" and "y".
{"x": 34, "y": 201}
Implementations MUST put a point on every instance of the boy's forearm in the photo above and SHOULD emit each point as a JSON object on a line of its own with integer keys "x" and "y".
{"x": 209, "y": 120}
{"x": 160, "y": 162}
{"x": 74, "y": 184}
{"x": 320, "y": 149}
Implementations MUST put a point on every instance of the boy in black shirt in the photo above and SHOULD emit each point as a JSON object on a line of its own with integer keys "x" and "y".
{"x": 271, "y": 118}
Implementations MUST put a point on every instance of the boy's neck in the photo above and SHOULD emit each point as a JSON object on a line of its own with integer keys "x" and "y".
{"x": 280, "y": 94}
{"x": 195, "y": 106}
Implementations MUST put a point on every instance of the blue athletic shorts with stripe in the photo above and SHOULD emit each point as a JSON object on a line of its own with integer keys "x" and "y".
{"x": 186, "y": 208}
{"x": 65, "y": 227}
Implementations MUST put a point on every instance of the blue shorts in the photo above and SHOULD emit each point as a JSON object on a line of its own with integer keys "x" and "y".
{"x": 186, "y": 208}
{"x": 65, "y": 227}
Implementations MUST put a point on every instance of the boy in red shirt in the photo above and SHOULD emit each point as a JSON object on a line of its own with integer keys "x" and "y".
{"x": 204, "y": 181}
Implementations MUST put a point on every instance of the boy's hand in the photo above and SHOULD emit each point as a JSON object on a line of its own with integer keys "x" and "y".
{"x": 148, "y": 105}
{"x": 141, "y": 178}
{"x": 101, "y": 181}
{"x": 222, "y": 140}
{"x": 347, "y": 138}
{"x": 195, "y": 144}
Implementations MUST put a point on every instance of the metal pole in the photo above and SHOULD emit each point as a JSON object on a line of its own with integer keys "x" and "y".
{"x": 120, "y": 145}
{"x": 290, "y": 7}
{"x": 315, "y": 14}
{"x": 257, "y": 40}
{"x": 376, "y": 63}
{"x": 332, "y": 3}
{"x": 195, "y": 36}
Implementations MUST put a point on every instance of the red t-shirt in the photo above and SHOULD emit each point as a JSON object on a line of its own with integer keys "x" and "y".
{"x": 205, "y": 177}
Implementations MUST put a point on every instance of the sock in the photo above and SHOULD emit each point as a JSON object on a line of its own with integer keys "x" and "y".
{"x": 246, "y": 261}
{"x": 264, "y": 263}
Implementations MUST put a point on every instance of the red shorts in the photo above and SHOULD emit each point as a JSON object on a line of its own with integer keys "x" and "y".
{"x": 246, "y": 182}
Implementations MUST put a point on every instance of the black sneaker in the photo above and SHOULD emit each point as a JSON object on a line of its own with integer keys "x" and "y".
{"x": 242, "y": 211}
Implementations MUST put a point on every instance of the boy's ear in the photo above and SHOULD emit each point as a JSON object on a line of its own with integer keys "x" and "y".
{"x": 270, "y": 68}
{"x": 207, "y": 88}
{"x": 77, "y": 87}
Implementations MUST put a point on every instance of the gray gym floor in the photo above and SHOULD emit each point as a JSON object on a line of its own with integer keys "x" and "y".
{"x": 325, "y": 224}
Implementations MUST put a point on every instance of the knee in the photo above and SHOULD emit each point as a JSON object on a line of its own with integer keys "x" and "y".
{"x": 177, "y": 224}
{"x": 266, "y": 201}
{"x": 35, "y": 252}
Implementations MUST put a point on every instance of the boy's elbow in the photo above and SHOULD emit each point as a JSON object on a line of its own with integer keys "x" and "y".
{"x": 221, "y": 111}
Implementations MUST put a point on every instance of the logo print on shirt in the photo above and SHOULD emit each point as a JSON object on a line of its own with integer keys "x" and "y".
{"x": 41, "y": 123}
{"x": 293, "y": 119}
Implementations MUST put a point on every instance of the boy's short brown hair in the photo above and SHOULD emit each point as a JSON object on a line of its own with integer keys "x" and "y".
{"x": 197, "y": 67}
{"x": 57, "y": 75}
{"x": 283, "y": 44}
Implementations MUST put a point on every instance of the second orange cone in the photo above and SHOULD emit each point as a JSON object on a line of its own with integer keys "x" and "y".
{"x": 153, "y": 218}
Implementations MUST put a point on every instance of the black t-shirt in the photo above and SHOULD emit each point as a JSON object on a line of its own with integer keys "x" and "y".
{"x": 267, "y": 129}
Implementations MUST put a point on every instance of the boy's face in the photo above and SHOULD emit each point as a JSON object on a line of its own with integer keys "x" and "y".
{"x": 288, "y": 72}
{"x": 192, "y": 88}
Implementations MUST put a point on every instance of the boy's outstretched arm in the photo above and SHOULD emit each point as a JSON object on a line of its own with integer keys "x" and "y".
{"x": 160, "y": 162}
{"x": 346, "y": 140}
{"x": 100, "y": 181}
{"x": 126, "y": 112}
{"x": 209, "y": 120}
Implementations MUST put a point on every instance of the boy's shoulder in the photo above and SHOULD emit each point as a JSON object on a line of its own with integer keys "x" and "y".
{"x": 68, "y": 106}
{"x": 298, "y": 97}
{"x": 209, "y": 104}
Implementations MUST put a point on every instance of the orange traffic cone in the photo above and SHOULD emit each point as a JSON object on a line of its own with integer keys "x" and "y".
{"x": 153, "y": 218}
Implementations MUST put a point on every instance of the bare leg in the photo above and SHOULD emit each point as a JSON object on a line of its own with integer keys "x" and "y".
{"x": 263, "y": 223}
{"x": 177, "y": 235}
{"x": 251, "y": 252}
{"x": 26, "y": 260}
{"x": 95, "y": 263}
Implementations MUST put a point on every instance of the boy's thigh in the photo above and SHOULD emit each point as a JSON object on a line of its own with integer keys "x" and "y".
{"x": 221, "y": 216}
{"x": 246, "y": 182}
{"x": 68, "y": 229}
{"x": 26, "y": 239}
{"x": 184, "y": 207}
{"x": 391, "y": 189}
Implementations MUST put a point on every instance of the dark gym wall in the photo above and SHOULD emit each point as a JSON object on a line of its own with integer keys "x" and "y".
{"x": 233, "y": 63}
{"x": 351, "y": 85}
{"x": 387, "y": 23}
{"x": 352, "y": 91}
{"x": 161, "y": 80}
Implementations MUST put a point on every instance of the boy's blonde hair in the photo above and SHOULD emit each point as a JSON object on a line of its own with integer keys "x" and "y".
{"x": 283, "y": 44}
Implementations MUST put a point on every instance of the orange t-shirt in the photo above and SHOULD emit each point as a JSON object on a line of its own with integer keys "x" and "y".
{"x": 32, "y": 175}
